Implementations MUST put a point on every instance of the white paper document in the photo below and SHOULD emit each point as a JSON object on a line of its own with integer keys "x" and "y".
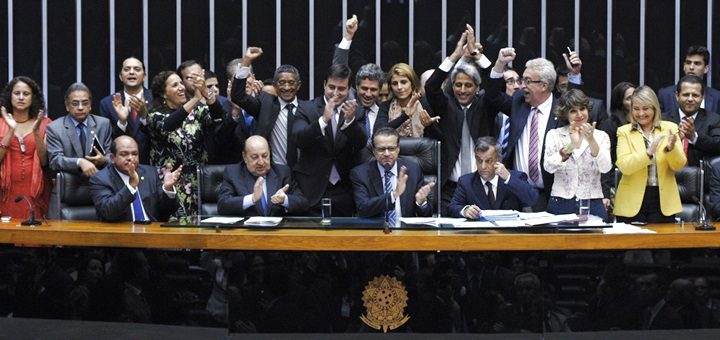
{"x": 222, "y": 220}
{"x": 624, "y": 228}
{"x": 263, "y": 221}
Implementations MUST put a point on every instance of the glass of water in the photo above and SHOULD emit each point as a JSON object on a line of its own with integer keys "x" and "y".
{"x": 583, "y": 208}
{"x": 326, "y": 211}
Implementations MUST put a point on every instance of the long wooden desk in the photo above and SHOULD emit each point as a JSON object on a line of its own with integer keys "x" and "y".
{"x": 96, "y": 234}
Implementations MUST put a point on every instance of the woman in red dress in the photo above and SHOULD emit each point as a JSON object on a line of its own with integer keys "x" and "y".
{"x": 23, "y": 155}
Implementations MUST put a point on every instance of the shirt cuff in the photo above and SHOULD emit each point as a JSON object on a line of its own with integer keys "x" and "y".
{"x": 122, "y": 126}
{"x": 132, "y": 190}
{"x": 495, "y": 75}
{"x": 77, "y": 162}
{"x": 286, "y": 202}
{"x": 446, "y": 65}
{"x": 345, "y": 44}
{"x": 170, "y": 194}
{"x": 483, "y": 62}
{"x": 508, "y": 179}
{"x": 462, "y": 211}
{"x": 247, "y": 201}
{"x": 575, "y": 78}
{"x": 346, "y": 124}
{"x": 242, "y": 72}
{"x": 323, "y": 125}
{"x": 694, "y": 140}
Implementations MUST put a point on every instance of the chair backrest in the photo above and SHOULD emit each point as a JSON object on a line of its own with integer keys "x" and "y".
{"x": 72, "y": 198}
{"x": 210, "y": 177}
{"x": 688, "y": 181}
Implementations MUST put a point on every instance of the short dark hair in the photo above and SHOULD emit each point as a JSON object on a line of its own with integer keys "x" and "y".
{"x": 157, "y": 87}
{"x": 385, "y": 131}
{"x": 77, "y": 87}
{"x": 185, "y": 64}
{"x": 339, "y": 71}
{"x": 690, "y": 79}
{"x": 699, "y": 50}
{"x": 38, "y": 99}
{"x": 569, "y": 100}
{"x": 286, "y": 69}
{"x": 210, "y": 74}
{"x": 484, "y": 144}
{"x": 142, "y": 63}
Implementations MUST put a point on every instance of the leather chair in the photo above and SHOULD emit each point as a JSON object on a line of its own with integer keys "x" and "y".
{"x": 688, "y": 181}
{"x": 709, "y": 165}
{"x": 210, "y": 177}
{"x": 71, "y": 198}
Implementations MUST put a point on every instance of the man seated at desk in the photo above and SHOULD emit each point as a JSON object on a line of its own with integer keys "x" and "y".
{"x": 245, "y": 187}
{"x": 380, "y": 183}
{"x": 492, "y": 186}
{"x": 130, "y": 191}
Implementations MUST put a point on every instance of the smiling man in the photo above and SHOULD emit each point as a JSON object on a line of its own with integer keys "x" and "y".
{"x": 696, "y": 63}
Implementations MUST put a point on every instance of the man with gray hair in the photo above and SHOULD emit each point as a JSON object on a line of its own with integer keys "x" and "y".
{"x": 531, "y": 116}
{"x": 492, "y": 186}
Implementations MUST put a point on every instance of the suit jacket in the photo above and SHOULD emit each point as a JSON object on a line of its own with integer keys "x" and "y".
{"x": 707, "y": 128}
{"x": 319, "y": 152}
{"x": 265, "y": 108}
{"x": 113, "y": 199}
{"x": 496, "y": 100}
{"x": 514, "y": 195}
{"x": 480, "y": 121}
{"x": 63, "y": 143}
{"x": 134, "y": 129}
{"x": 369, "y": 191}
{"x": 225, "y": 145}
{"x": 239, "y": 182}
{"x": 632, "y": 160}
{"x": 668, "y": 102}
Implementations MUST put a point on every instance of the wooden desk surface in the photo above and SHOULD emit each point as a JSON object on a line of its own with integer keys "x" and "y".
{"x": 96, "y": 234}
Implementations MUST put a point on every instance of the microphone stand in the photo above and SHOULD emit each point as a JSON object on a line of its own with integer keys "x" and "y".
{"x": 704, "y": 225}
{"x": 386, "y": 224}
{"x": 31, "y": 221}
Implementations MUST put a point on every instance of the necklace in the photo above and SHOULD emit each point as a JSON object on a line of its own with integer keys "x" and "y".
{"x": 24, "y": 121}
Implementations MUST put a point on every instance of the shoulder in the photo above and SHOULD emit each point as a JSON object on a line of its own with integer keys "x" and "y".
{"x": 466, "y": 179}
{"x": 667, "y": 90}
{"x": 518, "y": 174}
{"x": 100, "y": 120}
{"x": 361, "y": 169}
{"x": 625, "y": 128}
{"x": 102, "y": 176}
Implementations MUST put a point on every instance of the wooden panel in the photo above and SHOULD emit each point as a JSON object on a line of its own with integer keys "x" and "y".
{"x": 96, "y": 234}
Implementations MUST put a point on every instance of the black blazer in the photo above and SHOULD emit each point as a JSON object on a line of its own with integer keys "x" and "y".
{"x": 239, "y": 182}
{"x": 480, "y": 121}
{"x": 319, "y": 152}
{"x": 514, "y": 196}
{"x": 134, "y": 129}
{"x": 496, "y": 100}
{"x": 266, "y": 108}
{"x": 113, "y": 199}
{"x": 369, "y": 192}
{"x": 707, "y": 127}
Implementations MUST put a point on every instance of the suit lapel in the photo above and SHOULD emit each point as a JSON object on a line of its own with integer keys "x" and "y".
{"x": 73, "y": 137}
{"x": 375, "y": 179}
{"x": 479, "y": 190}
{"x": 501, "y": 192}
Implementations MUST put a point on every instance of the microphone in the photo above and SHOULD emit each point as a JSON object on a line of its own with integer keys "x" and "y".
{"x": 31, "y": 220}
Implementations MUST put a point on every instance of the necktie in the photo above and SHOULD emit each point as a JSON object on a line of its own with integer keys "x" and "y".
{"x": 334, "y": 174}
{"x": 505, "y": 133}
{"x": 533, "y": 146}
{"x": 334, "y": 124}
{"x": 248, "y": 122}
{"x": 138, "y": 215}
{"x": 263, "y": 201}
{"x": 686, "y": 142}
{"x": 490, "y": 194}
{"x": 391, "y": 214}
{"x": 133, "y": 115}
{"x": 279, "y": 137}
{"x": 83, "y": 138}
{"x": 368, "y": 128}
{"x": 466, "y": 152}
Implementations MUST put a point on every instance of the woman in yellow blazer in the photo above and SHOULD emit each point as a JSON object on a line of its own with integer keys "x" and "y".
{"x": 649, "y": 151}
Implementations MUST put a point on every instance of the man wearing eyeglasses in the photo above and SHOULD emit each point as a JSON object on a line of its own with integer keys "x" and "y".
{"x": 70, "y": 139}
{"x": 531, "y": 112}
{"x": 388, "y": 185}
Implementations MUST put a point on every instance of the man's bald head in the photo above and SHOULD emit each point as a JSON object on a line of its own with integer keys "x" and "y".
{"x": 257, "y": 155}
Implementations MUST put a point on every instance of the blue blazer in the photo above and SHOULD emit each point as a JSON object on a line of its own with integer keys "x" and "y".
{"x": 668, "y": 102}
{"x": 239, "y": 182}
{"x": 112, "y": 198}
{"x": 134, "y": 129}
{"x": 512, "y": 196}
{"x": 369, "y": 192}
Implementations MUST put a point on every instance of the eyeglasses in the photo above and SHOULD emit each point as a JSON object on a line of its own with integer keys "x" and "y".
{"x": 511, "y": 81}
{"x": 389, "y": 148}
{"x": 290, "y": 83}
{"x": 77, "y": 103}
{"x": 529, "y": 81}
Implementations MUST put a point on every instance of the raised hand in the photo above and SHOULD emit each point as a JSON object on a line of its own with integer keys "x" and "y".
{"x": 330, "y": 109}
{"x": 687, "y": 128}
{"x": 672, "y": 137}
{"x": 258, "y": 189}
{"x": 426, "y": 120}
{"x": 138, "y": 104}
{"x": 279, "y": 197}
{"x": 576, "y": 136}
{"x": 134, "y": 177}
{"x": 251, "y": 54}
{"x": 422, "y": 193}
{"x": 653, "y": 147}
{"x": 412, "y": 105}
{"x": 588, "y": 131}
{"x": 501, "y": 171}
{"x": 171, "y": 177}
{"x": 120, "y": 110}
{"x": 573, "y": 62}
{"x": 38, "y": 121}
{"x": 505, "y": 56}
{"x": 9, "y": 120}
{"x": 401, "y": 181}
{"x": 458, "y": 52}
{"x": 351, "y": 26}
{"x": 348, "y": 109}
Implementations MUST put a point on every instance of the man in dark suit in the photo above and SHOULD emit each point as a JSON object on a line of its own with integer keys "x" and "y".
{"x": 247, "y": 186}
{"x": 492, "y": 187}
{"x": 697, "y": 63}
{"x": 275, "y": 116}
{"x": 532, "y": 115}
{"x": 329, "y": 139}
{"x": 130, "y": 191}
{"x": 70, "y": 138}
{"x": 699, "y": 128}
{"x": 463, "y": 118}
{"x": 136, "y": 99}
{"x": 229, "y": 132}
{"x": 374, "y": 196}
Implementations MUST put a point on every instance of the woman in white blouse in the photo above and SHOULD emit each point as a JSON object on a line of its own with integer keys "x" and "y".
{"x": 577, "y": 154}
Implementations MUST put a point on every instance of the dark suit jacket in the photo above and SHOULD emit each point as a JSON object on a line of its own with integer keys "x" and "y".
{"x": 113, "y": 199}
{"x": 707, "y": 127}
{"x": 480, "y": 121}
{"x": 265, "y": 108}
{"x": 63, "y": 143}
{"x": 515, "y": 195}
{"x": 319, "y": 152}
{"x": 369, "y": 192}
{"x": 239, "y": 182}
{"x": 134, "y": 129}
{"x": 496, "y": 100}
{"x": 225, "y": 145}
{"x": 668, "y": 102}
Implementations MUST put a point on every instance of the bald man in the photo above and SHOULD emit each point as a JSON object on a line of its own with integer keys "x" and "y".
{"x": 129, "y": 191}
{"x": 257, "y": 187}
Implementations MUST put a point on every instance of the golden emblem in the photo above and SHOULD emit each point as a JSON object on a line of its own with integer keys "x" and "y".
{"x": 385, "y": 299}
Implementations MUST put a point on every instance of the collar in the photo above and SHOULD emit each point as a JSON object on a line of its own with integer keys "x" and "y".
{"x": 294, "y": 102}
{"x": 494, "y": 181}
{"x": 636, "y": 127}
{"x": 75, "y": 122}
{"x": 127, "y": 95}
{"x": 682, "y": 114}
{"x": 382, "y": 169}
{"x": 546, "y": 106}
{"x": 374, "y": 108}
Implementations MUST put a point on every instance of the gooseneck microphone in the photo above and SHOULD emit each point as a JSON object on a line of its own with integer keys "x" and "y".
{"x": 31, "y": 220}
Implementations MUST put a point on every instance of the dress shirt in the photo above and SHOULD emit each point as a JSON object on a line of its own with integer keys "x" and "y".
{"x": 126, "y": 179}
{"x": 372, "y": 116}
{"x": 522, "y": 149}
{"x": 579, "y": 176}
{"x": 495, "y": 180}
{"x": 394, "y": 171}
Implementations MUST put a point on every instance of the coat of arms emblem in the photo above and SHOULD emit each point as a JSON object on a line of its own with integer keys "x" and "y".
{"x": 385, "y": 299}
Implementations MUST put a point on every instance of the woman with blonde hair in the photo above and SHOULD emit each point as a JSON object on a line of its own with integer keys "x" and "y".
{"x": 406, "y": 104}
{"x": 649, "y": 152}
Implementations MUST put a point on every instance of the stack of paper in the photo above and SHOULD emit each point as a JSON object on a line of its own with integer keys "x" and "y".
{"x": 500, "y": 215}
{"x": 263, "y": 221}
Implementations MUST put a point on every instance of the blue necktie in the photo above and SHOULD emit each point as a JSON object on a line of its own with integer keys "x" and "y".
{"x": 391, "y": 214}
{"x": 264, "y": 203}
{"x": 137, "y": 208}
{"x": 368, "y": 130}
{"x": 505, "y": 133}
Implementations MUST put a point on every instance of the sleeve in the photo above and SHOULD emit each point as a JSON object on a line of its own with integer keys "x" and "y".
{"x": 56, "y": 154}
{"x": 553, "y": 159}
{"x": 110, "y": 206}
{"x": 603, "y": 159}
